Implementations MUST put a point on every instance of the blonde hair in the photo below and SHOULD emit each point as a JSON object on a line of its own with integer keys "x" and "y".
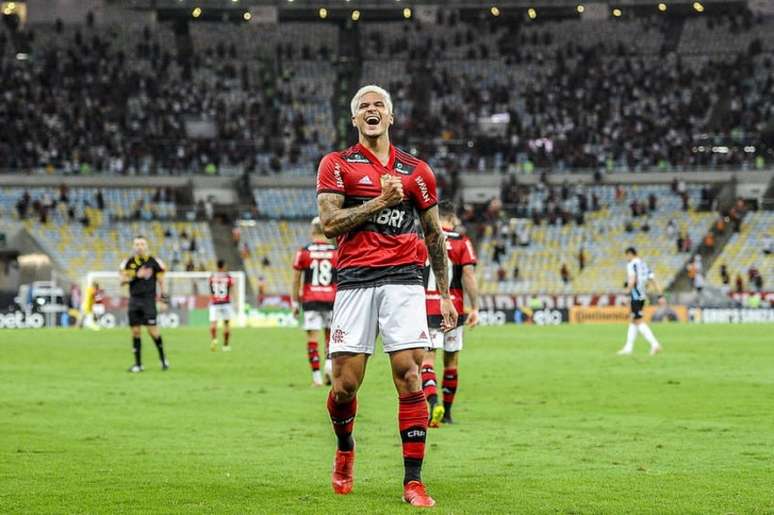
{"x": 371, "y": 88}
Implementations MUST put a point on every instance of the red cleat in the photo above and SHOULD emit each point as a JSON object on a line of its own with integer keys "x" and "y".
{"x": 414, "y": 493}
{"x": 342, "y": 477}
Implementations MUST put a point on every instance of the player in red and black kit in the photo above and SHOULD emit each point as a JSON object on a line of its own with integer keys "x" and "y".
{"x": 462, "y": 281}
{"x": 314, "y": 285}
{"x": 221, "y": 283}
{"x": 370, "y": 198}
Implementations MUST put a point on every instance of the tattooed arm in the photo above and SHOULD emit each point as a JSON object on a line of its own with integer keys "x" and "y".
{"x": 336, "y": 220}
{"x": 435, "y": 241}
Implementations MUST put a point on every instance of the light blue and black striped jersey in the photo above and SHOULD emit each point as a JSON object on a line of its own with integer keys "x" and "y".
{"x": 639, "y": 270}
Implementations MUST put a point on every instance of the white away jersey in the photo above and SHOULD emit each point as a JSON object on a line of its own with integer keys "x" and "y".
{"x": 639, "y": 270}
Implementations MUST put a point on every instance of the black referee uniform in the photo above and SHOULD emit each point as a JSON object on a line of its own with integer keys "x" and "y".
{"x": 143, "y": 272}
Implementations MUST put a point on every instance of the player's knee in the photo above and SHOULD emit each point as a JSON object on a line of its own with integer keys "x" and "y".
{"x": 408, "y": 376}
{"x": 344, "y": 389}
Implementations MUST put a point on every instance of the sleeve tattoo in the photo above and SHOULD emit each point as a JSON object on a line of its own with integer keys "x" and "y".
{"x": 435, "y": 240}
{"x": 337, "y": 220}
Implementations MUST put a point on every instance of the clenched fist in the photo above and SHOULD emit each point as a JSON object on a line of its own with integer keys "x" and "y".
{"x": 392, "y": 190}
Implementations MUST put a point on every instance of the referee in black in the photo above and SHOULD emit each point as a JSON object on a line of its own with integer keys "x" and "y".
{"x": 144, "y": 274}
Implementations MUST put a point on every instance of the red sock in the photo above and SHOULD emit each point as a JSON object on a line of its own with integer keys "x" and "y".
{"x": 343, "y": 420}
{"x": 213, "y": 332}
{"x": 429, "y": 383}
{"x": 226, "y": 334}
{"x": 449, "y": 386}
{"x": 314, "y": 357}
{"x": 412, "y": 422}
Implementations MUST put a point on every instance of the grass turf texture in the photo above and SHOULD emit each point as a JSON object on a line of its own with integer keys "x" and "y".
{"x": 549, "y": 420}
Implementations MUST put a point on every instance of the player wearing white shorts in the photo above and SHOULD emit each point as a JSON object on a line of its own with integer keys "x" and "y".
{"x": 221, "y": 283}
{"x": 638, "y": 276}
{"x": 314, "y": 289}
{"x": 462, "y": 281}
{"x": 371, "y": 197}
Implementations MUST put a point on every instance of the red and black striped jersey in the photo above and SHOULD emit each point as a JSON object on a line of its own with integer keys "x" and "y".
{"x": 383, "y": 250}
{"x": 317, "y": 261}
{"x": 220, "y": 287}
{"x": 461, "y": 253}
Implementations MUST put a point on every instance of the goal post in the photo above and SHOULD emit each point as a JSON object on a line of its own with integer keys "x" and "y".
{"x": 188, "y": 298}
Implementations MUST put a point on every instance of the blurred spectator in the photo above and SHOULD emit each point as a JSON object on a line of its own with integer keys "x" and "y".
{"x": 499, "y": 252}
{"x": 724, "y": 277}
{"x": 739, "y": 283}
{"x": 768, "y": 245}
{"x": 564, "y": 272}
{"x": 709, "y": 241}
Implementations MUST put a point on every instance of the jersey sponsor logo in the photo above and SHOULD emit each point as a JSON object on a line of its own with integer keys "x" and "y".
{"x": 357, "y": 157}
{"x": 403, "y": 168}
{"x": 389, "y": 217}
{"x": 422, "y": 188}
{"x": 337, "y": 176}
{"x": 365, "y": 180}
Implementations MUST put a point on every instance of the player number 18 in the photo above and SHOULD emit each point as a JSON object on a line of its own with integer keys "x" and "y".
{"x": 321, "y": 272}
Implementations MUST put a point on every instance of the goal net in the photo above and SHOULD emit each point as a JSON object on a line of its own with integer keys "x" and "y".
{"x": 189, "y": 297}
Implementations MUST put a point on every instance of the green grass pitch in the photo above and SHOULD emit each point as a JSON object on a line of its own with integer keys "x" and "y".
{"x": 549, "y": 421}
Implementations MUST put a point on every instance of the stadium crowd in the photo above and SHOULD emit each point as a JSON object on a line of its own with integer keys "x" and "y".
{"x": 504, "y": 98}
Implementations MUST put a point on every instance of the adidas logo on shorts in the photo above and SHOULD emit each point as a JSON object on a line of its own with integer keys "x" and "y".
{"x": 423, "y": 335}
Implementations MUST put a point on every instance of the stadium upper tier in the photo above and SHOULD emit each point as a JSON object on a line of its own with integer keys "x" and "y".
{"x": 614, "y": 94}
{"x": 745, "y": 250}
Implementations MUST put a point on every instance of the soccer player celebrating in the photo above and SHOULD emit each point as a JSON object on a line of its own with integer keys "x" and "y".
{"x": 462, "y": 280}
{"x": 315, "y": 266}
{"x": 638, "y": 276}
{"x": 370, "y": 196}
{"x": 221, "y": 283}
{"x": 144, "y": 274}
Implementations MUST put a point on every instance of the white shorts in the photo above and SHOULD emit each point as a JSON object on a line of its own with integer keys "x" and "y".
{"x": 396, "y": 311}
{"x": 449, "y": 342}
{"x": 317, "y": 320}
{"x": 220, "y": 312}
{"x": 98, "y": 310}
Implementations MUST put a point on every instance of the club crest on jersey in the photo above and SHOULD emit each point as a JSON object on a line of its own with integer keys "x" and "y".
{"x": 357, "y": 158}
{"x": 403, "y": 168}
{"x": 365, "y": 180}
